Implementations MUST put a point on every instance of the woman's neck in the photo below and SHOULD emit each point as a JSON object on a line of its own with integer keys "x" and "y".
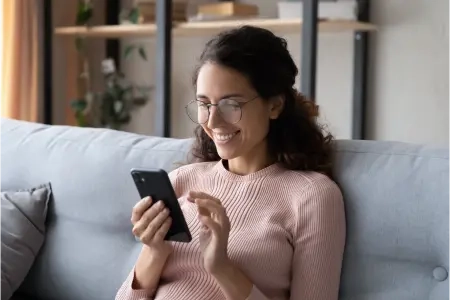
{"x": 252, "y": 162}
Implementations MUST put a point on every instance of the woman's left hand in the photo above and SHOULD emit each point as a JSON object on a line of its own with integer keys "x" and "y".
{"x": 215, "y": 231}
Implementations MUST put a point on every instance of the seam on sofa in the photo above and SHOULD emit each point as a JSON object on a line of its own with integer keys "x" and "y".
{"x": 391, "y": 154}
{"x": 115, "y": 145}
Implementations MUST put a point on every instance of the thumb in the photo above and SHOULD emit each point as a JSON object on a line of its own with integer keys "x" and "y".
{"x": 210, "y": 224}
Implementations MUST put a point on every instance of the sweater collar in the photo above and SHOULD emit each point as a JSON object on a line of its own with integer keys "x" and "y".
{"x": 269, "y": 170}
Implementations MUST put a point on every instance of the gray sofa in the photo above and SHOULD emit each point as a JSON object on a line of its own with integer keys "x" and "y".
{"x": 396, "y": 196}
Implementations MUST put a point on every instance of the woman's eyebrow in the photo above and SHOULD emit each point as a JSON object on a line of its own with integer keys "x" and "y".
{"x": 223, "y": 97}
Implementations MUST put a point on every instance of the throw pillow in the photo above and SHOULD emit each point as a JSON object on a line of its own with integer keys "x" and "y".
{"x": 23, "y": 218}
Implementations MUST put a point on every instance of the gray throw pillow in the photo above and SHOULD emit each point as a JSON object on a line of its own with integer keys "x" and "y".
{"x": 23, "y": 218}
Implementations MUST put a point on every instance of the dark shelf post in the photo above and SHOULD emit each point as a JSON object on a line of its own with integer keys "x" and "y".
{"x": 360, "y": 67}
{"x": 309, "y": 49}
{"x": 163, "y": 68}
{"x": 112, "y": 18}
{"x": 48, "y": 63}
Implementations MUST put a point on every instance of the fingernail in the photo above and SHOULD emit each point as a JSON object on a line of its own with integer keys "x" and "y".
{"x": 160, "y": 203}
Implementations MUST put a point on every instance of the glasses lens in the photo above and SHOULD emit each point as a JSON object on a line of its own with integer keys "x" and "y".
{"x": 230, "y": 110}
{"x": 197, "y": 112}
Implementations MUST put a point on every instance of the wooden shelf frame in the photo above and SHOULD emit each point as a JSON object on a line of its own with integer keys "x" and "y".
{"x": 210, "y": 27}
{"x": 308, "y": 28}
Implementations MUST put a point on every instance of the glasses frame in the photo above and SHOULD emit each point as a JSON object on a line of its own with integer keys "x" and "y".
{"x": 208, "y": 105}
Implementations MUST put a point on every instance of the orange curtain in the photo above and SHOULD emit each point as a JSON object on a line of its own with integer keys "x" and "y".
{"x": 20, "y": 55}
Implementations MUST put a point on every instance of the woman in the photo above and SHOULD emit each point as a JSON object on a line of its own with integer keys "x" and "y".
{"x": 267, "y": 221}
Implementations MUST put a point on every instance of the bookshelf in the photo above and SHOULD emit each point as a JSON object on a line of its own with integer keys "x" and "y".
{"x": 285, "y": 26}
{"x": 308, "y": 28}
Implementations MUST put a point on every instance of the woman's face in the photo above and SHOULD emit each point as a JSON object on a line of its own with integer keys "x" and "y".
{"x": 233, "y": 136}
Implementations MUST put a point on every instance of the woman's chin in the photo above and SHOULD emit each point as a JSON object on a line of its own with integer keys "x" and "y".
{"x": 226, "y": 154}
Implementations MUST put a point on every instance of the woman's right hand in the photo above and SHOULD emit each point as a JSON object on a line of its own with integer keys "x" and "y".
{"x": 151, "y": 224}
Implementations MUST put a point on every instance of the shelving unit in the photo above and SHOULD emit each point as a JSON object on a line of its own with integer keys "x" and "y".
{"x": 308, "y": 27}
{"x": 205, "y": 28}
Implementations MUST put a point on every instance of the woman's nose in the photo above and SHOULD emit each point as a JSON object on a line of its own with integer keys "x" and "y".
{"x": 215, "y": 119}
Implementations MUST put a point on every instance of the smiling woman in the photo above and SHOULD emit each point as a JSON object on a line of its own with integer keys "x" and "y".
{"x": 266, "y": 219}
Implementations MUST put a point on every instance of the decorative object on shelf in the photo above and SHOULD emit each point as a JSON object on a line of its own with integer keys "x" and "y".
{"x": 228, "y": 9}
{"x": 112, "y": 107}
{"x": 147, "y": 11}
{"x": 132, "y": 16}
{"x": 129, "y": 16}
{"x": 328, "y": 10}
{"x": 84, "y": 15}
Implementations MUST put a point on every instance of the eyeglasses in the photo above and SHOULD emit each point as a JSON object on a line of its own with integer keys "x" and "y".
{"x": 229, "y": 109}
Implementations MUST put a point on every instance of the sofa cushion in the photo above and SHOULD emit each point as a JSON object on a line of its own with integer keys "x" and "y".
{"x": 23, "y": 231}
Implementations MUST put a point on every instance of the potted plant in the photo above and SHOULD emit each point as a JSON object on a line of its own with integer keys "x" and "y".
{"x": 112, "y": 107}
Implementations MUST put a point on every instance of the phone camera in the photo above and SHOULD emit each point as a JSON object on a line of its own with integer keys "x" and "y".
{"x": 142, "y": 179}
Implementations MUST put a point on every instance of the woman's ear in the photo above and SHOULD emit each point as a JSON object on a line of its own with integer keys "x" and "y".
{"x": 276, "y": 107}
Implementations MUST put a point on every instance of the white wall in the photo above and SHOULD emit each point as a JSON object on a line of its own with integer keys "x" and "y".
{"x": 408, "y": 79}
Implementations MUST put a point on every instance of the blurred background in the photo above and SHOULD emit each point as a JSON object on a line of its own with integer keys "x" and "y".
{"x": 95, "y": 63}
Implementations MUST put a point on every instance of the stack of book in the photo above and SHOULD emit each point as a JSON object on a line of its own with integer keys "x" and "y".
{"x": 147, "y": 11}
{"x": 225, "y": 10}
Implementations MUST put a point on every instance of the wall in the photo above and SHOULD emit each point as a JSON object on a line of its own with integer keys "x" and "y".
{"x": 409, "y": 80}
{"x": 408, "y": 77}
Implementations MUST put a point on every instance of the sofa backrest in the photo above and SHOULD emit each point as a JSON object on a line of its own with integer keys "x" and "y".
{"x": 89, "y": 248}
{"x": 397, "y": 207}
{"x": 396, "y": 199}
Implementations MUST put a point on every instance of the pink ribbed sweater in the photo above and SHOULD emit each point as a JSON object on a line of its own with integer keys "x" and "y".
{"x": 287, "y": 235}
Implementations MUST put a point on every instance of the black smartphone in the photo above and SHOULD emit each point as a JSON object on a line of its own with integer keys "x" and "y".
{"x": 156, "y": 184}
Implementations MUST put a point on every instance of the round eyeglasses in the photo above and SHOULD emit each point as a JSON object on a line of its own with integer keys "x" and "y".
{"x": 229, "y": 109}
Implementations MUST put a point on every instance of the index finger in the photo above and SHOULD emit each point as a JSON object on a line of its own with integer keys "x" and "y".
{"x": 140, "y": 208}
{"x": 200, "y": 195}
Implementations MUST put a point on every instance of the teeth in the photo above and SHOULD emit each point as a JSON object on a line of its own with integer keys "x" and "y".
{"x": 224, "y": 137}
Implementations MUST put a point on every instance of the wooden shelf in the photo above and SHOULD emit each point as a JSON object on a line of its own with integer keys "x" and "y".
{"x": 210, "y": 27}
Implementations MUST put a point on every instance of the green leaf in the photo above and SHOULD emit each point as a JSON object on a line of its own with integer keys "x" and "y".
{"x": 128, "y": 50}
{"x": 142, "y": 53}
{"x": 81, "y": 119}
{"x": 127, "y": 89}
{"x": 133, "y": 17}
{"x": 79, "y": 43}
{"x": 78, "y": 105}
{"x": 84, "y": 13}
{"x": 144, "y": 90}
{"x": 124, "y": 118}
{"x": 120, "y": 74}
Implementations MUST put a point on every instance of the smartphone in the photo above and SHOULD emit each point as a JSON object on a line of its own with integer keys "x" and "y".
{"x": 156, "y": 184}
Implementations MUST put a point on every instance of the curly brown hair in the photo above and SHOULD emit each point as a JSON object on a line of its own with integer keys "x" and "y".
{"x": 295, "y": 138}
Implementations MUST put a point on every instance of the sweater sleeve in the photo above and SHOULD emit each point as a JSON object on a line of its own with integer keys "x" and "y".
{"x": 126, "y": 291}
{"x": 319, "y": 243}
